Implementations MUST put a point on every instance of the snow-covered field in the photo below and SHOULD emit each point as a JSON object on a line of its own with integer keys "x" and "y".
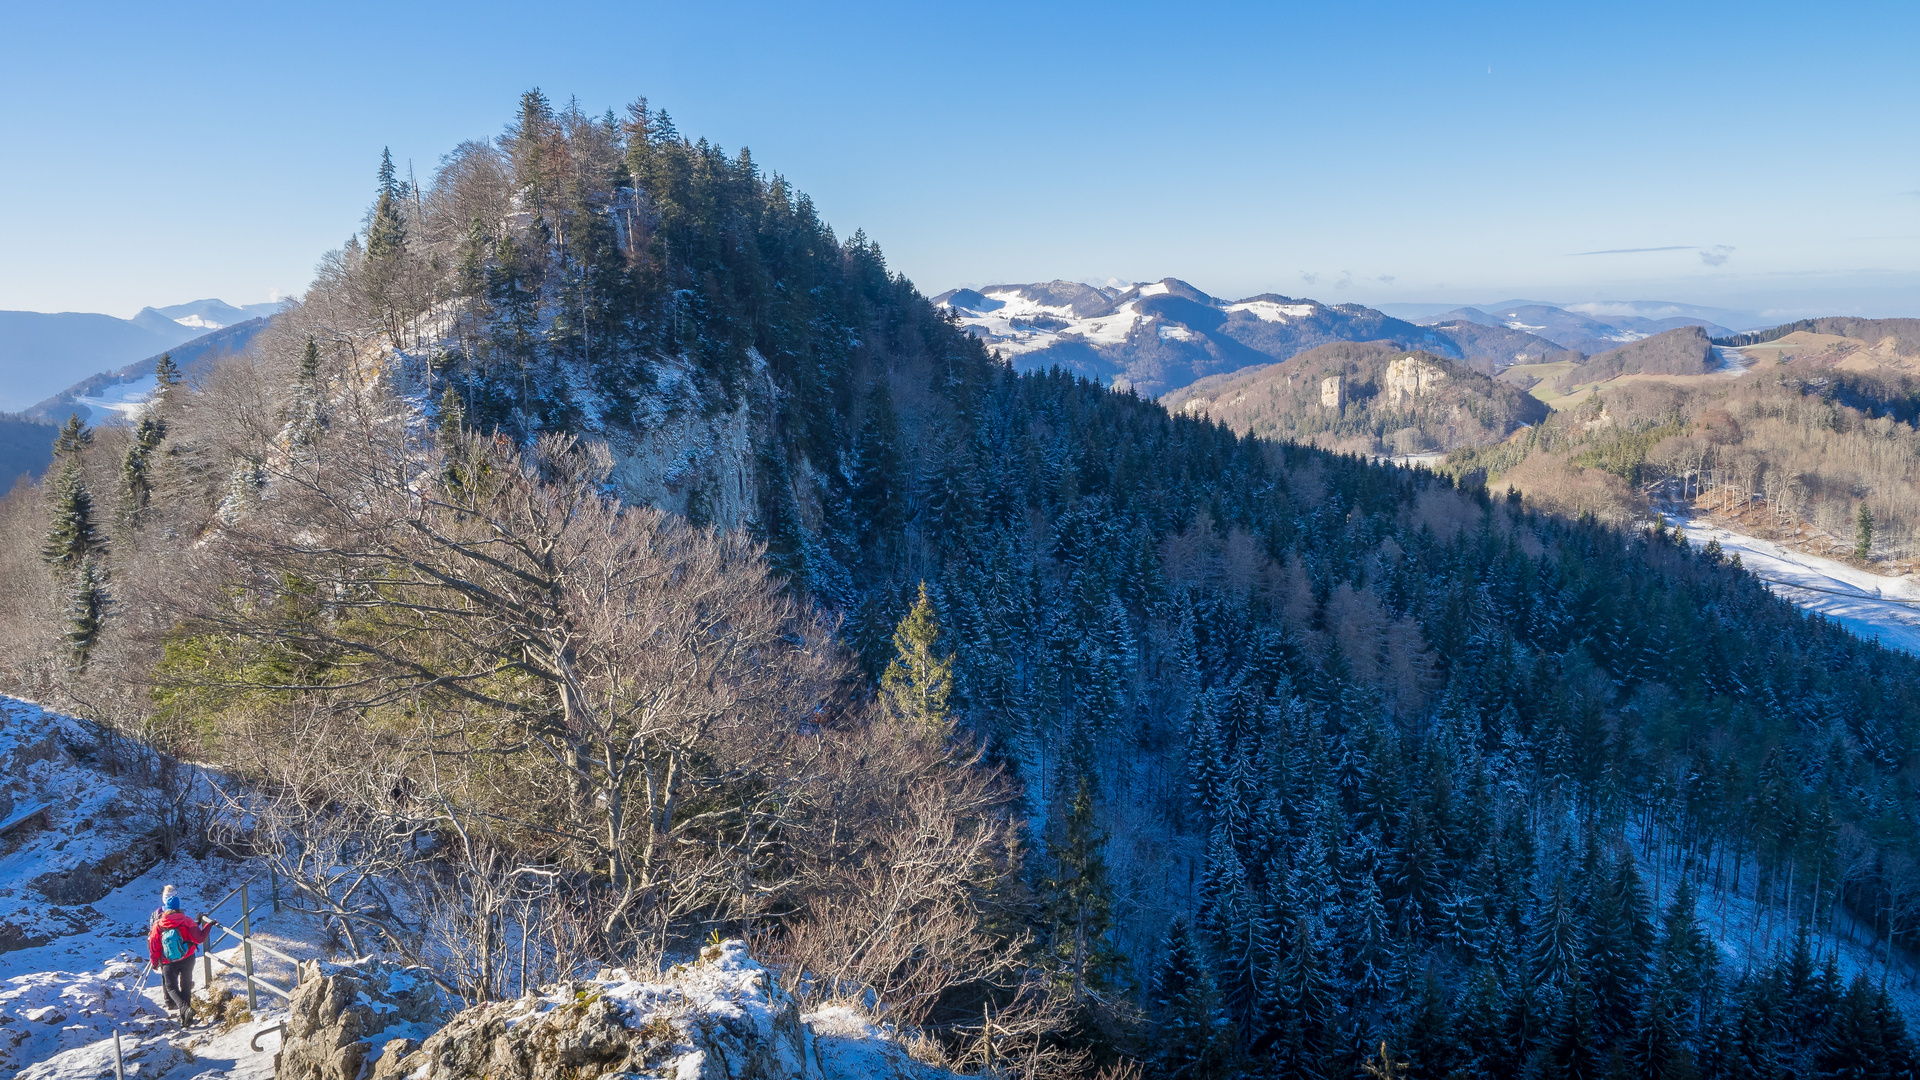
{"x": 1871, "y": 605}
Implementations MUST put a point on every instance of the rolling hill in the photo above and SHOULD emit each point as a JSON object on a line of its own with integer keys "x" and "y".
{"x": 1157, "y": 336}
{"x": 1363, "y": 397}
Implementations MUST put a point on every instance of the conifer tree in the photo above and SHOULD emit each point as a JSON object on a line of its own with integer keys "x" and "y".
{"x": 1080, "y": 898}
{"x": 915, "y": 688}
{"x": 306, "y": 415}
{"x": 72, "y": 534}
{"x": 86, "y": 603}
{"x": 1190, "y": 1037}
{"x": 166, "y": 375}
{"x": 1863, "y": 532}
{"x": 149, "y": 431}
{"x": 73, "y": 438}
{"x": 453, "y": 413}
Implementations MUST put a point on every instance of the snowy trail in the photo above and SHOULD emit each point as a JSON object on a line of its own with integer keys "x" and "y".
{"x": 1870, "y": 605}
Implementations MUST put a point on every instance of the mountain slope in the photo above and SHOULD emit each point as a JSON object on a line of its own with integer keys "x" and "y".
{"x": 98, "y": 397}
{"x": 1683, "y": 351}
{"x": 40, "y": 352}
{"x": 1157, "y": 336}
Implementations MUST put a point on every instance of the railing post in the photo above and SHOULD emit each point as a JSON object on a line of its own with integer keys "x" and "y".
{"x": 246, "y": 947}
{"x": 273, "y": 879}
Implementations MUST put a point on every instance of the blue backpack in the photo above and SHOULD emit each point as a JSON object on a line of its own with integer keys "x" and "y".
{"x": 174, "y": 945}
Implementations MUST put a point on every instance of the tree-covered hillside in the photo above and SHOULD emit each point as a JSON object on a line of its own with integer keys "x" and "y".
{"x": 1306, "y": 753}
{"x": 1368, "y": 397}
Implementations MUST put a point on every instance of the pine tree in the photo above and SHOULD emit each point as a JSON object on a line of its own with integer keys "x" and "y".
{"x": 1863, "y": 532}
{"x": 71, "y": 533}
{"x": 1190, "y": 1040}
{"x": 916, "y": 685}
{"x": 1080, "y": 899}
{"x": 306, "y": 416}
{"x": 86, "y": 604}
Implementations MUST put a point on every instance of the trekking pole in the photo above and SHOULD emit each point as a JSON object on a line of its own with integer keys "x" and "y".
{"x": 119, "y": 1064}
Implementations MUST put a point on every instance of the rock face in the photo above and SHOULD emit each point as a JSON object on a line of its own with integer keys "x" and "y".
{"x": 1333, "y": 392}
{"x": 723, "y": 1018}
{"x": 1410, "y": 378}
{"x": 338, "y": 1021}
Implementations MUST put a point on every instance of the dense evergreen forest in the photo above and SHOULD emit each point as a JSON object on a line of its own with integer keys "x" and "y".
{"x": 1307, "y": 754}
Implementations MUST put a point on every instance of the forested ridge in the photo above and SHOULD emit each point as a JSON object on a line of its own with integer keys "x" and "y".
{"x": 1239, "y": 757}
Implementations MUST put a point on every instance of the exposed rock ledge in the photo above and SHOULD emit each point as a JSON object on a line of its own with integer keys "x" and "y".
{"x": 723, "y": 1018}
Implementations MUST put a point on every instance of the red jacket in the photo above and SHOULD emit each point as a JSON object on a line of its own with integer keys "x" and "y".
{"x": 190, "y": 929}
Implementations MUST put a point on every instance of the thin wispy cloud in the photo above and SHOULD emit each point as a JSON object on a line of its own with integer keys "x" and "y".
{"x": 1716, "y": 255}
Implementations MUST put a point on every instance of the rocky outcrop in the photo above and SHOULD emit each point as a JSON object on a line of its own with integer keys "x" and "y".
{"x": 722, "y": 1018}
{"x": 1333, "y": 392}
{"x": 1409, "y": 379}
{"x": 339, "y": 1021}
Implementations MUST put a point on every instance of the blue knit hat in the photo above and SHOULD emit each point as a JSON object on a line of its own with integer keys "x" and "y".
{"x": 173, "y": 903}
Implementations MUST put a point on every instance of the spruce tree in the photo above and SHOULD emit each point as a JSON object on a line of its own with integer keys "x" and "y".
{"x": 73, "y": 438}
{"x": 1080, "y": 898}
{"x": 1863, "y": 532}
{"x": 306, "y": 416}
{"x": 71, "y": 532}
{"x": 1190, "y": 1037}
{"x": 915, "y": 688}
{"x": 149, "y": 430}
{"x": 453, "y": 414}
{"x": 166, "y": 375}
{"x": 86, "y": 603}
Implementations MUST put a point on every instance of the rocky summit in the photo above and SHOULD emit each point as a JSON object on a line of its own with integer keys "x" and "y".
{"x": 722, "y": 1017}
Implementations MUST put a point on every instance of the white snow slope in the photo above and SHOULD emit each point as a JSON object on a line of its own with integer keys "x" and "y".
{"x": 1871, "y": 605}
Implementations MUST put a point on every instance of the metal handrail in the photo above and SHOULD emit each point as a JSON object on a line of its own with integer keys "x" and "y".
{"x": 231, "y": 966}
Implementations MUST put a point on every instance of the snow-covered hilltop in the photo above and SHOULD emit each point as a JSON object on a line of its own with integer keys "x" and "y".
{"x": 1166, "y": 334}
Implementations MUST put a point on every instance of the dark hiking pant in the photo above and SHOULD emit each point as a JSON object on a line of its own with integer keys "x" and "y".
{"x": 177, "y": 979}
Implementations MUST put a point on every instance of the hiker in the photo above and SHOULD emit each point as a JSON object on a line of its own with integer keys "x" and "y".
{"x": 173, "y": 940}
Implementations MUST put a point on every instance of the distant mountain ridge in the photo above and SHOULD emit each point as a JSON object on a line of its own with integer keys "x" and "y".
{"x": 26, "y": 437}
{"x": 43, "y": 352}
{"x": 1157, "y": 336}
{"x": 96, "y": 397}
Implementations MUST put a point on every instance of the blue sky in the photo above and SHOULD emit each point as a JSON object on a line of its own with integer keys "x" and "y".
{"x": 1758, "y": 156}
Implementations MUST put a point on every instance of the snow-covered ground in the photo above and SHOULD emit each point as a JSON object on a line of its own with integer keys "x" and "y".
{"x": 79, "y": 880}
{"x": 1750, "y": 936}
{"x": 1871, "y": 605}
{"x": 125, "y": 398}
{"x": 1007, "y": 319}
{"x": 77, "y": 894}
{"x": 1730, "y": 362}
